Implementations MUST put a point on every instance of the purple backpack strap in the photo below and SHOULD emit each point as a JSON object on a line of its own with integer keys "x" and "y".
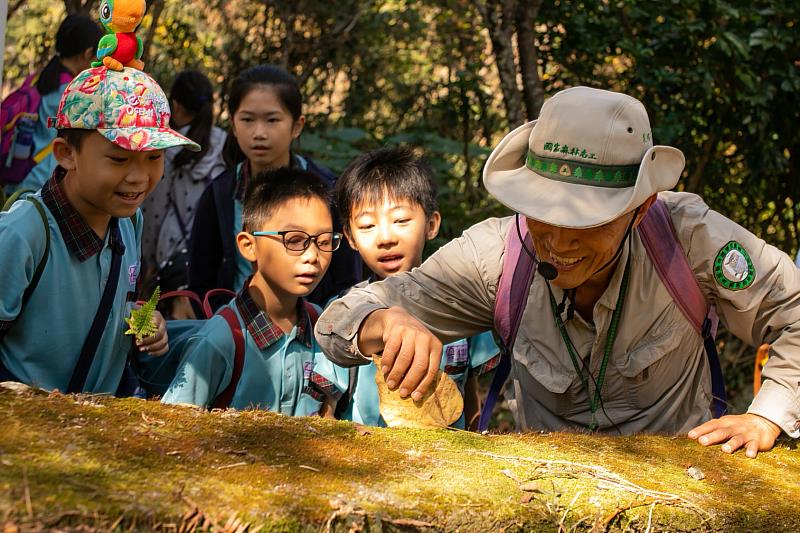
{"x": 512, "y": 296}
{"x": 659, "y": 239}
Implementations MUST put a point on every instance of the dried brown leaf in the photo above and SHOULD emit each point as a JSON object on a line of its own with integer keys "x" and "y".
{"x": 438, "y": 409}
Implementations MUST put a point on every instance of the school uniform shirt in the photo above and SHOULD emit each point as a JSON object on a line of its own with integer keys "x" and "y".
{"x": 658, "y": 377}
{"x": 169, "y": 210}
{"x": 41, "y": 346}
{"x": 276, "y": 368}
{"x": 460, "y": 359}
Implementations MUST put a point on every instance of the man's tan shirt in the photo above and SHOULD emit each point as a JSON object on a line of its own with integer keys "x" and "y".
{"x": 658, "y": 377}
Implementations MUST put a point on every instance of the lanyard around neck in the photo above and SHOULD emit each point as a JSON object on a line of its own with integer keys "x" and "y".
{"x": 596, "y": 400}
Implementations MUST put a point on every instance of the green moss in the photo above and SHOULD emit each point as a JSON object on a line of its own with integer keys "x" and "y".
{"x": 71, "y": 461}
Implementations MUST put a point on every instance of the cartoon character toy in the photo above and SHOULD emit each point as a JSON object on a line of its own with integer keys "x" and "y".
{"x": 120, "y": 47}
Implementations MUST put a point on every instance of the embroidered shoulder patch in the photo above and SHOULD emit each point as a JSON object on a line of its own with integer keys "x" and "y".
{"x": 733, "y": 268}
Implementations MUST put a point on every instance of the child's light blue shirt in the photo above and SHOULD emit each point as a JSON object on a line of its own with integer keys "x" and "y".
{"x": 276, "y": 368}
{"x": 41, "y": 346}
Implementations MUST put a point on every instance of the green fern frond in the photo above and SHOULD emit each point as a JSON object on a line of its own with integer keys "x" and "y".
{"x": 141, "y": 323}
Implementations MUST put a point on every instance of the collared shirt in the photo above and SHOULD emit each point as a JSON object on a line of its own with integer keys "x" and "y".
{"x": 658, "y": 377}
{"x": 81, "y": 240}
{"x": 276, "y": 367}
{"x": 42, "y": 345}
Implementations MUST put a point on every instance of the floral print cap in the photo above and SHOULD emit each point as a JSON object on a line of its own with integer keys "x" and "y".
{"x": 127, "y": 107}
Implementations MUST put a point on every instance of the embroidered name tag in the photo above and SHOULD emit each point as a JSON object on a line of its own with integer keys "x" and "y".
{"x": 457, "y": 353}
{"x": 133, "y": 274}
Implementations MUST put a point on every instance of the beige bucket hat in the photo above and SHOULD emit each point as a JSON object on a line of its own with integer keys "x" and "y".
{"x": 587, "y": 160}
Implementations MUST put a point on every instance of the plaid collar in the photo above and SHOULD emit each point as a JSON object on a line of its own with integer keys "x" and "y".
{"x": 261, "y": 327}
{"x": 81, "y": 240}
{"x": 242, "y": 178}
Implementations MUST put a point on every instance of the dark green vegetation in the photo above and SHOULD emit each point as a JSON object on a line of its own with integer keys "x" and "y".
{"x": 87, "y": 462}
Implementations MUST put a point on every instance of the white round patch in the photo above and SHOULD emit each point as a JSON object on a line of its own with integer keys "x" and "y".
{"x": 734, "y": 266}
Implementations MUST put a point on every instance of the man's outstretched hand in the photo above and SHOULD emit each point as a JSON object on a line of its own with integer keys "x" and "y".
{"x": 754, "y": 433}
{"x": 411, "y": 353}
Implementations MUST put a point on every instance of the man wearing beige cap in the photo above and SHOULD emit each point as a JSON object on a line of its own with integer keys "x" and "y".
{"x": 605, "y": 287}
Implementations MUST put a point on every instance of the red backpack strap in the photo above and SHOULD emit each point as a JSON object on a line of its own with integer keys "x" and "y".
{"x": 515, "y": 282}
{"x": 511, "y": 299}
{"x": 224, "y": 399}
{"x": 207, "y": 309}
{"x": 183, "y": 293}
{"x": 313, "y": 314}
{"x": 658, "y": 236}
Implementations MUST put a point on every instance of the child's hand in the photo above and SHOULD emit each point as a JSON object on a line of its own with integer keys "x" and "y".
{"x": 157, "y": 344}
{"x": 411, "y": 353}
{"x": 755, "y": 433}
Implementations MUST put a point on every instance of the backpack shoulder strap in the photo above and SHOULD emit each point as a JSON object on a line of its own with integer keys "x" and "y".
{"x": 659, "y": 239}
{"x": 96, "y": 330}
{"x": 512, "y": 297}
{"x": 658, "y": 236}
{"x": 514, "y": 284}
{"x": 313, "y": 314}
{"x": 43, "y": 262}
{"x": 224, "y": 399}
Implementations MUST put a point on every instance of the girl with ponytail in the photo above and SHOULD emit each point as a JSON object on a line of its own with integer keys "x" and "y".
{"x": 76, "y": 46}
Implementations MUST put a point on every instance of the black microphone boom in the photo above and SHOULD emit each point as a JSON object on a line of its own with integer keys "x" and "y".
{"x": 547, "y": 271}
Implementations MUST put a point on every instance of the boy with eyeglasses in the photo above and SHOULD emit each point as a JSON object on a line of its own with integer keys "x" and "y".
{"x": 387, "y": 202}
{"x": 288, "y": 236}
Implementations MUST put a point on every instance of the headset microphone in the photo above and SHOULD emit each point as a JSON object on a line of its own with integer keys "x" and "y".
{"x": 547, "y": 270}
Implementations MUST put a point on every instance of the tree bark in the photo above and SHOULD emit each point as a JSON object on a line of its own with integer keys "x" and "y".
{"x": 83, "y": 7}
{"x": 693, "y": 182}
{"x": 157, "y": 7}
{"x": 13, "y": 6}
{"x": 498, "y": 17}
{"x": 532, "y": 88}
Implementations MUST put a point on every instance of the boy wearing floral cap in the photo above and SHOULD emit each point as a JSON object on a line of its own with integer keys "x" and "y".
{"x": 70, "y": 252}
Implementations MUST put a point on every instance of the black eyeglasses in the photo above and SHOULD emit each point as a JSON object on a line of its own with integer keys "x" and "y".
{"x": 299, "y": 241}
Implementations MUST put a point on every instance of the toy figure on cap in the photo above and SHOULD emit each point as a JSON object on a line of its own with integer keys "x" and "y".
{"x": 121, "y": 47}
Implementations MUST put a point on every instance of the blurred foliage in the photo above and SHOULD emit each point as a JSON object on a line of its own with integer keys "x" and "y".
{"x": 719, "y": 79}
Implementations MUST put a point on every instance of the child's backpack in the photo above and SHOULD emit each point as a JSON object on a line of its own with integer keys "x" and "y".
{"x": 663, "y": 248}
{"x": 156, "y": 373}
{"x": 19, "y": 114}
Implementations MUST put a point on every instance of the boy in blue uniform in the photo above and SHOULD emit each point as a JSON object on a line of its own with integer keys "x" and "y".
{"x": 288, "y": 235}
{"x": 387, "y": 200}
{"x": 70, "y": 252}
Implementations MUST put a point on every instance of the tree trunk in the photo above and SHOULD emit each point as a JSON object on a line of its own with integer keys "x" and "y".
{"x": 83, "y": 7}
{"x": 156, "y": 7}
{"x": 532, "y": 89}
{"x": 499, "y": 20}
{"x": 693, "y": 182}
{"x": 13, "y": 6}
{"x": 95, "y": 463}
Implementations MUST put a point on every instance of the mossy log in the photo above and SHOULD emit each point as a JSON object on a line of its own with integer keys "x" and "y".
{"x": 98, "y": 463}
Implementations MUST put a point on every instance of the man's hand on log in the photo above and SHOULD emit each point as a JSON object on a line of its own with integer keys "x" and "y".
{"x": 754, "y": 433}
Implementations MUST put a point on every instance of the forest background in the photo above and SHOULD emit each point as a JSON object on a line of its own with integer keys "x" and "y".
{"x": 719, "y": 80}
